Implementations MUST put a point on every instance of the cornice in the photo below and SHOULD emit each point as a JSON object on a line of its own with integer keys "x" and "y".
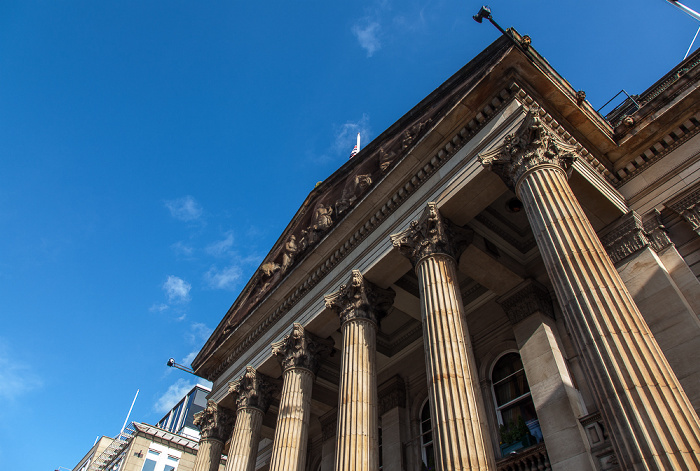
{"x": 687, "y": 205}
{"x": 628, "y": 235}
{"x": 658, "y": 150}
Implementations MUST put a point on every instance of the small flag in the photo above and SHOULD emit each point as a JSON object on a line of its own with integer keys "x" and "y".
{"x": 356, "y": 149}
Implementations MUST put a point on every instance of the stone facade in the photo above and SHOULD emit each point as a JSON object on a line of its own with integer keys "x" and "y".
{"x": 504, "y": 279}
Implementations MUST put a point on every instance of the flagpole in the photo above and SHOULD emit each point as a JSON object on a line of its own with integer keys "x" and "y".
{"x": 358, "y": 142}
{"x": 684, "y": 9}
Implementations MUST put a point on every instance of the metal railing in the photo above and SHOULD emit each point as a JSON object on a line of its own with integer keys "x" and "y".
{"x": 530, "y": 459}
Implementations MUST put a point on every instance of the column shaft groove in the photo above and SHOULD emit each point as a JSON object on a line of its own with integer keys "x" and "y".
{"x": 357, "y": 441}
{"x": 208, "y": 455}
{"x": 457, "y": 412}
{"x": 292, "y": 432}
{"x": 245, "y": 440}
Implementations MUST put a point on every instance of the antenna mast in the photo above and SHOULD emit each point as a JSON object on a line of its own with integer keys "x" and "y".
{"x": 127, "y": 415}
{"x": 692, "y": 13}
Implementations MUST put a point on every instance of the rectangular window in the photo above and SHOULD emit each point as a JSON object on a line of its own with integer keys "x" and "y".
{"x": 149, "y": 465}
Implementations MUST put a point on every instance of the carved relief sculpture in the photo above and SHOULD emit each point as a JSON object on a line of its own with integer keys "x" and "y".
{"x": 252, "y": 390}
{"x": 532, "y": 145}
{"x": 214, "y": 421}
{"x": 429, "y": 235}
{"x": 360, "y": 299}
{"x": 386, "y": 159}
{"x": 291, "y": 249}
{"x": 354, "y": 188}
{"x": 322, "y": 218}
{"x": 301, "y": 349}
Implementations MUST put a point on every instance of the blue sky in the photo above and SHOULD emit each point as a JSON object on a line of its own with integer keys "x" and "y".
{"x": 151, "y": 152}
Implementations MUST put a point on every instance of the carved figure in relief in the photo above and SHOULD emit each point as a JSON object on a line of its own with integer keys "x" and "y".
{"x": 385, "y": 159}
{"x": 412, "y": 133}
{"x": 322, "y": 218}
{"x": 290, "y": 251}
{"x": 354, "y": 188}
{"x": 303, "y": 240}
{"x": 269, "y": 268}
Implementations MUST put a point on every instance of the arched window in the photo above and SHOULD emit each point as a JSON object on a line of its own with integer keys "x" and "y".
{"x": 518, "y": 424}
{"x": 426, "y": 438}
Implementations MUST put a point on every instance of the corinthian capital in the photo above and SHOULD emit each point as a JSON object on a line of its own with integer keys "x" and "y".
{"x": 252, "y": 390}
{"x": 531, "y": 146}
{"x": 214, "y": 421}
{"x": 430, "y": 234}
{"x": 360, "y": 299}
{"x": 301, "y": 349}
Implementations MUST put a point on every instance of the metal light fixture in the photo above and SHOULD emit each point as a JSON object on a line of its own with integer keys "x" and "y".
{"x": 172, "y": 364}
{"x": 484, "y": 12}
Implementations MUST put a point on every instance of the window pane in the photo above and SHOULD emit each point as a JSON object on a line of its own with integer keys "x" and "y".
{"x": 507, "y": 365}
{"x": 427, "y": 439}
{"x": 511, "y": 388}
{"x": 149, "y": 465}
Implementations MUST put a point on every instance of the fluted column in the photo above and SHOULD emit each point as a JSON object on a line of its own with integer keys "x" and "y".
{"x": 214, "y": 423}
{"x": 652, "y": 423}
{"x": 457, "y": 409}
{"x": 253, "y": 391}
{"x": 360, "y": 305}
{"x": 298, "y": 355}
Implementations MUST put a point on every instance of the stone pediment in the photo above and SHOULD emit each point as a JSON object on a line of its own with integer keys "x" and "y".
{"x": 334, "y": 199}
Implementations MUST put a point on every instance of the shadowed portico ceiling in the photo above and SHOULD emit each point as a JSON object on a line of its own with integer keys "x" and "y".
{"x": 502, "y": 226}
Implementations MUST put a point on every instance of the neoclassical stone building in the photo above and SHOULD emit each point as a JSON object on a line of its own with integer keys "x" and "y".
{"x": 503, "y": 279}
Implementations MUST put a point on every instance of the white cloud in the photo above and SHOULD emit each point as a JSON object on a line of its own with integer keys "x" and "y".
{"x": 159, "y": 307}
{"x": 222, "y": 247}
{"x": 226, "y": 278}
{"x": 173, "y": 395}
{"x": 180, "y": 248}
{"x": 198, "y": 333}
{"x": 184, "y": 209}
{"x": 190, "y": 358}
{"x": 367, "y": 33}
{"x": 16, "y": 378}
{"x": 177, "y": 289}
